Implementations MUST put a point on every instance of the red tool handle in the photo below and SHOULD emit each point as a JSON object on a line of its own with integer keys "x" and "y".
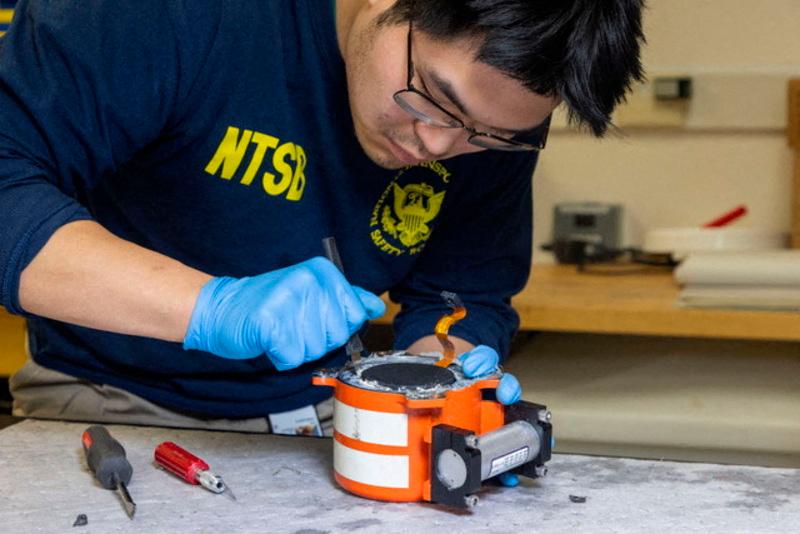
{"x": 179, "y": 461}
{"x": 727, "y": 217}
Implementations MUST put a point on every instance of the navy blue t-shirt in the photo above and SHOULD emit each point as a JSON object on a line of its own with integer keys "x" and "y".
{"x": 219, "y": 134}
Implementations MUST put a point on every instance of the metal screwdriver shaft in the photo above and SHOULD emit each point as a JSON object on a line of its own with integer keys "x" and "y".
{"x": 127, "y": 501}
{"x": 354, "y": 347}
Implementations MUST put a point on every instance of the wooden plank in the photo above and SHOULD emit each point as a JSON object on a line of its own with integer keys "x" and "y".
{"x": 561, "y": 299}
{"x": 793, "y": 110}
{"x": 795, "y": 209}
{"x": 558, "y": 298}
{"x": 793, "y": 138}
{"x": 12, "y": 343}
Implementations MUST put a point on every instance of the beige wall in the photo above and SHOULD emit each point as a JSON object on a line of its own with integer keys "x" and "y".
{"x": 722, "y": 33}
{"x": 740, "y": 53}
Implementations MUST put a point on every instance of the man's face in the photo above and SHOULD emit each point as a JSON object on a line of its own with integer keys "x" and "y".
{"x": 481, "y": 96}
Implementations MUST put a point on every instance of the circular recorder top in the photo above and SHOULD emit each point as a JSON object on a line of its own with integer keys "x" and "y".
{"x": 409, "y": 375}
{"x": 415, "y": 376}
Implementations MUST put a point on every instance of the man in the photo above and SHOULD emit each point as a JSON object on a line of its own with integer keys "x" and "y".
{"x": 168, "y": 170}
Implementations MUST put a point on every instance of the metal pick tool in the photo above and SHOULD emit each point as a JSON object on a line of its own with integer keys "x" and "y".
{"x": 355, "y": 347}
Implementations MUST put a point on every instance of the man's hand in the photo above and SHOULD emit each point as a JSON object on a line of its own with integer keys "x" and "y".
{"x": 483, "y": 360}
{"x": 293, "y": 315}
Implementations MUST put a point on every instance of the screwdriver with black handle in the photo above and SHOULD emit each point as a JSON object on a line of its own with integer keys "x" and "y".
{"x": 355, "y": 347}
{"x": 106, "y": 459}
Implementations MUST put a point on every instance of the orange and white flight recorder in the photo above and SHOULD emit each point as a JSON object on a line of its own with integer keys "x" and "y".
{"x": 406, "y": 429}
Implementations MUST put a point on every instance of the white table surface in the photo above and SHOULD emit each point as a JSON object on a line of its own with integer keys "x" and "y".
{"x": 284, "y": 484}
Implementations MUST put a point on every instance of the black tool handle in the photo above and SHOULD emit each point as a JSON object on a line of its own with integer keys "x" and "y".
{"x": 106, "y": 457}
{"x": 332, "y": 252}
{"x": 355, "y": 347}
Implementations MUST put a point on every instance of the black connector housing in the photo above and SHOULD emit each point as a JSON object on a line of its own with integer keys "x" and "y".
{"x": 450, "y": 437}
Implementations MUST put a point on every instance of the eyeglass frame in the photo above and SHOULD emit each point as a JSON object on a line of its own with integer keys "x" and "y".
{"x": 513, "y": 145}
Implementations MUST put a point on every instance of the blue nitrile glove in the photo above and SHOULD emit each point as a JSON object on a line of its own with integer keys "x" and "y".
{"x": 293, "y": 315}
{"x": 483, "y": 360}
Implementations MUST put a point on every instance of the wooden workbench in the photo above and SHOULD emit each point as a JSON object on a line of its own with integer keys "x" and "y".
{"x": 558, "y": 298}
{"x": 284, "y": 485}
{"x": 12, "y": 343}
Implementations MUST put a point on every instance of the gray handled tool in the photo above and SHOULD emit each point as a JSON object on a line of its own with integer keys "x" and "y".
{"x": 106, "y": 459}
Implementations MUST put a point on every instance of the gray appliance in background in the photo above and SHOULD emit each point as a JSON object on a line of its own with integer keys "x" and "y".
{"x": 586, "y": 231}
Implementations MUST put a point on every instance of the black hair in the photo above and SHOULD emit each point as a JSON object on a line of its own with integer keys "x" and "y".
{"x": 584, "y": 51}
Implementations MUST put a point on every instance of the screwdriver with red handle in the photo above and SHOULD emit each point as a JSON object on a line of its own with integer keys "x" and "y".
{"x": 106, "y": 459}
{"x": 190, "y": 468}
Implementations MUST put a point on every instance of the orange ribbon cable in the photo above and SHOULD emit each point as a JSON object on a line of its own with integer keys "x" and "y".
{"x": 444, "y": 324}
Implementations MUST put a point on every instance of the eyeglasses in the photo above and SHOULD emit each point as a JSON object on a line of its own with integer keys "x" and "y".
{"x": 424, "y": 108}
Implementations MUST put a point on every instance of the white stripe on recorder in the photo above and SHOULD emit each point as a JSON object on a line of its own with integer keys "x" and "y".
{"x": 383, "y": 470}
{"x": 380, "y": 428}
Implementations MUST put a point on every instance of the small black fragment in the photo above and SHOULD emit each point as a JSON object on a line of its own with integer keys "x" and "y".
{"x": 81, "y": 520}
{"x": 577, "y": 498}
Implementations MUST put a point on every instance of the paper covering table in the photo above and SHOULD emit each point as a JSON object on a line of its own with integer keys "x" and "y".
{"x": 284, "y": 484}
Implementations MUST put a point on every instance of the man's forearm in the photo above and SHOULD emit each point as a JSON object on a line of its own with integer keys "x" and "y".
{"x": 87, "y": 276}
{"x": 431, "y": 344}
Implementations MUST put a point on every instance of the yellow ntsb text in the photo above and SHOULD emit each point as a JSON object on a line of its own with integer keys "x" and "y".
{"x": 284, "y": 173}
